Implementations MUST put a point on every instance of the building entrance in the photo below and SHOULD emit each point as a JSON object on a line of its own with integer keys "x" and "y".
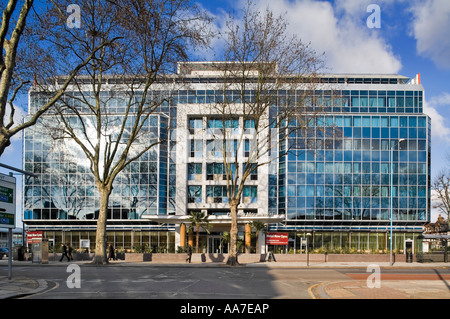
{"x": 216, "y": 245}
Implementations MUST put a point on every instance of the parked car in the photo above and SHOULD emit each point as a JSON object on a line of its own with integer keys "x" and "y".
{"x": 3, "y": 252}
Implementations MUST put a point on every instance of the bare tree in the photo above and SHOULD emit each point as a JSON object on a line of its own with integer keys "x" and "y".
{"x": 261, "y": 61}
{"x": 441, "y": 193}
{"x": 134, "y": 73}
{"x": 29, "y": 57}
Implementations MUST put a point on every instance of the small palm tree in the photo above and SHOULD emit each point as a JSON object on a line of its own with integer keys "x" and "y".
{"x": 197, "y": 220}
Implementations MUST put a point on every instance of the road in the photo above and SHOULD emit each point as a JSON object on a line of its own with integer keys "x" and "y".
{"x": 183, "y": 283}
{"x": 128, "y": 282}
{"x": 223, "y": 292}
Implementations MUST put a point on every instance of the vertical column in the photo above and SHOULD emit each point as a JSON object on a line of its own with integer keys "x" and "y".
{"x": 248, "y": 240}
{"x": 262, "y": 242}
{"x": 182, "y": 235}
{"x": 191, "y": 238}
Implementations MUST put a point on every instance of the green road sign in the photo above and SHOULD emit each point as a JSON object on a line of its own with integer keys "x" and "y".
{"x": 6, "y": 195}
{"x": 7, "y": 201}
{"x": 6, "y": 219}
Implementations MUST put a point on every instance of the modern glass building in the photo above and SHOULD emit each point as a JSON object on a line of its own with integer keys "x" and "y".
{"x": 369, "y": 176}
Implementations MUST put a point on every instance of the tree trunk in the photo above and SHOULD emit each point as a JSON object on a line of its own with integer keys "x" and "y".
{"x": 197, "y": 238}
{"x": 232, "y": 255}
{"x": 257, "y": 242}
{"x": 100, "y": 241}
{"x": 4, "y": 143}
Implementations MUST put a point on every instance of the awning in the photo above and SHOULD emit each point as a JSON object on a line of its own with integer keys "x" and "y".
{"x": 434, "y": 236}
{"x": 216, "y": 219}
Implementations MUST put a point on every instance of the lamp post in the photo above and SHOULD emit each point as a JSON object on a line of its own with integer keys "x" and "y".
{"x": 392, "y": 195}
{"x": 308, "y": 235}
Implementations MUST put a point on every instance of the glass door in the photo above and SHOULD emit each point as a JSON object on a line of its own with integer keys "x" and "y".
{"x": 216, "y": 245}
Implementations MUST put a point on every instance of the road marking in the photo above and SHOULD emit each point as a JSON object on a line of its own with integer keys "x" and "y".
{"x": 403, "y": 276}
{"x": 42, "y": 292}
{"x": 314, "y": 287}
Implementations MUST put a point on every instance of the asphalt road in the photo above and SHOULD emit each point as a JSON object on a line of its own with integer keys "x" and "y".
{"x": 179, "y": 292}
{"x": 177, "y": 283}
{"x": 109, "y": 282}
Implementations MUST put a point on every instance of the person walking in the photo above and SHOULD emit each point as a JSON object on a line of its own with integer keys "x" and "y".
{"x": 69, "y": 252}
{"x": 64, "y": 253}
{"x": 111, "y": 254}
{"x": 189, "y": 252}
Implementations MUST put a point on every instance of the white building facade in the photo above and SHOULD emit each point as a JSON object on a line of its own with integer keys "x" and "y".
{"x": 343, "y": 194}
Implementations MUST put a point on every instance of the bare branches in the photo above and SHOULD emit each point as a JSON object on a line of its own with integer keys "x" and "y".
{"x": 264, "y": 77}
{"x": 107, "y": 109}
{"x": 441, "y": 193}
{"x": 8, "y": 63}
{"x": 48, "y": 39}
{"x": 262, "y": 59}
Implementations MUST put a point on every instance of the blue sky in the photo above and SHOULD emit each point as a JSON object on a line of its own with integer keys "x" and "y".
{"x": 413, "y": 38}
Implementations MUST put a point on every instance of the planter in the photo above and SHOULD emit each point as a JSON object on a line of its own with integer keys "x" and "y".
{"x": 167, "y": 258}
{"x": 82, "y": 256}
{"x": 120, "y": 256}
{"x": 375, "y": 258}
{"x": 255, "y": 258}
{"x": 133, "y": 257}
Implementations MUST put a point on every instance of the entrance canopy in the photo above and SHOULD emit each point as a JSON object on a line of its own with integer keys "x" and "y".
{"x": 434, "y": 236}
{"x": 216, "y": 219}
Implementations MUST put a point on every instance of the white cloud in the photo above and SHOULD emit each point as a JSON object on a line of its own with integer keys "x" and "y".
{"x": 19, "y": 114}
{"x": 8, "y": 156}
{"x": 340, "y": 32}
{"x": 431, "y": 25}
{"x": 439, "y": 125}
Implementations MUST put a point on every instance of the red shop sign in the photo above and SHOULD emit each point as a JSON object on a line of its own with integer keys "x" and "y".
{"x": 277, "y": 238}
{"x": 33, "y": 235}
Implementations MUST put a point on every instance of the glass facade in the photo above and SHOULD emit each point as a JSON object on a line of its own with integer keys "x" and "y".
{"x": 142, "y": 241}
{"x": 338, "y": 179}
{"x": 348, "y": 177}
{"x": 64, "y": 187}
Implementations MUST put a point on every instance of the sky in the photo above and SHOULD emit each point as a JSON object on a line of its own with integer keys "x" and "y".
{"x": 403, "y": 37}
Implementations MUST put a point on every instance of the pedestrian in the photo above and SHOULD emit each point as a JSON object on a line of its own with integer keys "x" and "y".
{"x": 64, "y": 253}
{"x": 111, "y": 254}
{"x": 69, "y": 252}
{"x": 189, "y": 252}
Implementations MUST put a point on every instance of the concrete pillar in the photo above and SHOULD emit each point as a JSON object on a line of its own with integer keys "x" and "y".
{"x": 262, "y": 242}
{"x": 191, "y": 238}
{"x": 248, "y": 238}
{"x": 182, "y": 235}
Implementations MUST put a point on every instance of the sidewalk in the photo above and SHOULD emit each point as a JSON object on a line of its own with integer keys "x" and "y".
{"x": 20, "y": 286}
{"x": 415, "y": 288}
{"x": 390, "y": 289}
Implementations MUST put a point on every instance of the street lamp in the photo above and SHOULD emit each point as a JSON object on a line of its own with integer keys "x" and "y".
{"x": 308, "y": 235}
{"x": 392, "y": 193}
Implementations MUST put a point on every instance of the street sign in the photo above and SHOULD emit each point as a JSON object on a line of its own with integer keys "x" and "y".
{"x": 7, "y": 220}
{"x": 31, "y": 235}
{"x": 6, "y": 195}
{"x": 7, "y": 201}
{"x": 277, "y": 238}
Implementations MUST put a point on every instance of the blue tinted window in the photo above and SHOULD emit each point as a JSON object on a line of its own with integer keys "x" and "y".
{"x": 394, "y": 132}
{"x": 394, "y": 121}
